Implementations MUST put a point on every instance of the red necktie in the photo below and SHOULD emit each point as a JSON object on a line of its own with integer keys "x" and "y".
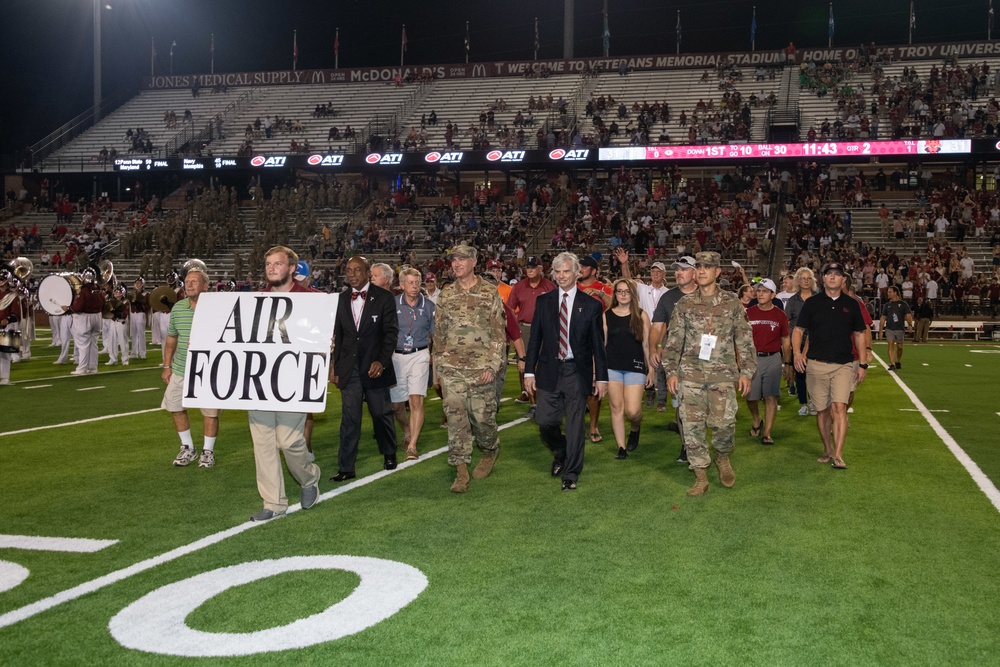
{"x": 564, "y": 327}
{"x": 359, "y": 295}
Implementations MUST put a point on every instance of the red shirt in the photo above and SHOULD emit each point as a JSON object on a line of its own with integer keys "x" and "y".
{"x": 522, "y": 298}
{"x": 597, "y": 284}
{"x": 769, "y": 327}
{"x": 868, "y": 323}
{"x": 511, "y": 328}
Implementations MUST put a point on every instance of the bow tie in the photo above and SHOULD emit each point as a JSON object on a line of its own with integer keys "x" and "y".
{"x": 359, "y": 295}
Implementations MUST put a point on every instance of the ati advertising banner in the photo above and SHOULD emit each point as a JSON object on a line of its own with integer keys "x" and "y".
{"x": 260, "y": 351}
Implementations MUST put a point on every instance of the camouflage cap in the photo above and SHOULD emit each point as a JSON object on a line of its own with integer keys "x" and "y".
{"x": 464, "y": 251}
{"x": 710, "y": 259}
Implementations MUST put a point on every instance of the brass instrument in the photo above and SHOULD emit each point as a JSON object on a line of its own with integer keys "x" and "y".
{"x": 22, "y": 268}
{"x": 158, "y": 295}
{"x": 107, "y": 270}
{"x": 194, "y": 264}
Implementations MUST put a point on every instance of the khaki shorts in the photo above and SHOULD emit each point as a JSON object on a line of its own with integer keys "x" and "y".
{"x": 172, "y": 398}
{"x": 412, "y": 371}
{"x": 829, "y": 383}
{"x": 894, "y": 335}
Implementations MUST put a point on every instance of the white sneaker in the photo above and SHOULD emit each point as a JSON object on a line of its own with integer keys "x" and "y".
{"x": 185, "y": 456}
{"x": 79, "y": 371}
{"x": 59, "y": 363}
{"x": 804, "y": 411}
{"x": 111, "y": 363}
{"x": 125, "y": 363}
{"x": 812, "y": 411}
{"x": 207, "y": 459}
{"x": 4, "y": 381}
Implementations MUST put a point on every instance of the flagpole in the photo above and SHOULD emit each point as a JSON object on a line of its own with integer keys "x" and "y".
{"x": 607, "y": 31}
{"x": 152, "y": 56}
{"x": 212, "y": 68}
{"x": 295, "y": 50}
{"x": 536, "y": 38}
{"x": 336, "y": 50}
{"x": 466, "y": 42}
{"x": 753, "y": 30}
{"x": 911, "y": 22}
{"x": 829, "y": 31}
{"x": 402, "y": 46}
{"x": 678, "y": 32}
{"x": 989, "y": 23}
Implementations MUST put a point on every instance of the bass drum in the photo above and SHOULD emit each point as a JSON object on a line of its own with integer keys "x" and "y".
{"x": 10, "y": 342}
{"x": 58, "y": 290}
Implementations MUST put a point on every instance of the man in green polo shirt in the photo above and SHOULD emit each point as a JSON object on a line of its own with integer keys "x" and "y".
{"x": 174, "y": 359}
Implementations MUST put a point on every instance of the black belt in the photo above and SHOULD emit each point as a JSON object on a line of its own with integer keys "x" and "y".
{"x": 412, "y": 351}
{"x": 565, "y": 361}
{"x": 766, "y": 354}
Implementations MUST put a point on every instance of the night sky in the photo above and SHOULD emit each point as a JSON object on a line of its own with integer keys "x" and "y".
{"x": 47, "y": 45}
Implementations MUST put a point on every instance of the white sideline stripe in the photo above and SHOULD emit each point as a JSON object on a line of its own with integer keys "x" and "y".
{"x": 436, "y": 398}
{"x": 136, "y": 391}
{"x": 916, "y": 410}
{"x": 81, "y": 421}
{"x": 90, "y": 388}
{"x": 26, "y": 612}
{"x": 39, "y": 386}
{"x": 77, "y": 545}
{"x": 102, "y": 373}
{"x": 978, "y": 476}
{"x": 505, "y": 398}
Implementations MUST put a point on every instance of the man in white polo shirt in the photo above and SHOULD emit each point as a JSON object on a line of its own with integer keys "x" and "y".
{"x": 412, "y": 358}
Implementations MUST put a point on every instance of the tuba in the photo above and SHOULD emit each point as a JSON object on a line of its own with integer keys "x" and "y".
{"x": 107, "y": 270}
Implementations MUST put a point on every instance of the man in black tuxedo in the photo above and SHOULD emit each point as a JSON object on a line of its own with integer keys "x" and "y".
{"x": 566, "y": 362}
{"x": 364, "y": 339}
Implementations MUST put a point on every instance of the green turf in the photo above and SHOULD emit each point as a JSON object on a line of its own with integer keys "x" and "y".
{"x": 891, "y": 562}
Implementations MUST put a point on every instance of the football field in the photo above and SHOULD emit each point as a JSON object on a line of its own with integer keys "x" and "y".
{"x": 890, "y": 562}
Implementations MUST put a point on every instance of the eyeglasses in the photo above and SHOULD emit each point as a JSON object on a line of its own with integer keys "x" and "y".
{"x": 622, "y": 292}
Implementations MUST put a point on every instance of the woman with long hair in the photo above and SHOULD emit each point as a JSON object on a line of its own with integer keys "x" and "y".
{"x": 626, "y": 335}
{"x": 805, "y": 284}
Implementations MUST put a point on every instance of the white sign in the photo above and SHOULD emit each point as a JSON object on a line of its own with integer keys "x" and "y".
{"x": 260, "y": 351}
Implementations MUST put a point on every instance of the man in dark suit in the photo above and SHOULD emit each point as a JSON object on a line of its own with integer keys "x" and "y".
{"x": 566, "y": 362}
{"x": 364, "y": 339}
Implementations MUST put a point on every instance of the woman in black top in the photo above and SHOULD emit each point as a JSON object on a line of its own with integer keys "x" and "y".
{"x": 626, "y": 332}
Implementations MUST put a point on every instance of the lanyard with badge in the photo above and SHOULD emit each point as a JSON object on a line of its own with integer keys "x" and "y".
{"x": 708, "y": 340}
{"x": 410, "y": 321}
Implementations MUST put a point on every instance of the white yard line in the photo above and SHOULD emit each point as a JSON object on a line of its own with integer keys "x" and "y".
{"x": 26, "y": 612}
{"x": 38, "y": 386}
{"x": 77, "y": 545}
{"x": 136, "y": 391}
{"x": 90, "y": 388}
{"x": 100, "y": 373}
{"x": 978, "y": 476}
{"x": 81, "y": 421}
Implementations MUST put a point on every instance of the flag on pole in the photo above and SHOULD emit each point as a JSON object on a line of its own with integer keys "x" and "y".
{"x": 336, "y": 44}
{"x": 537, "y": 41}
{"x": 678, "y": 31}
{"x": 607, "y": 35}
{"x": 991, "y": 15}
{"x": 152, "y": 43}
{"x": 753, "y": 26}
{"x": 295, "y": 50}
{"x": 404, "y": 39}
{"x": 830, "y": 23}
{"x": 466, "y": 41}
{"x": 152, "y": 56}
{"x": 913, "y": 17}
{"x": 211, "y": 53}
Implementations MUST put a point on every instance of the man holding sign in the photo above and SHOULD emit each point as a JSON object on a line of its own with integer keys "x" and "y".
{"x": 275, "y": 432}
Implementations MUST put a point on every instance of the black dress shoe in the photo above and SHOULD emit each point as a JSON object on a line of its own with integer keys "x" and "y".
{"x": 622, "y": 454}
{"x": 390, "y": 463}
{"x": 557, "y": 467}
{"x": 633, "y": 441}
{"x": 342, "y": 476}
{"x": 568, "y": 485}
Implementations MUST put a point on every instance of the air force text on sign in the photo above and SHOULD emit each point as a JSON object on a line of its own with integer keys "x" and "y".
{"x": 260, "y": 351}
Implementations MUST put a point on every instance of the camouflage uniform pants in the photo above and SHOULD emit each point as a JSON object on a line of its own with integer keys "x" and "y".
{"x": 471, "y": 409}
{"x": 703, "y": 407}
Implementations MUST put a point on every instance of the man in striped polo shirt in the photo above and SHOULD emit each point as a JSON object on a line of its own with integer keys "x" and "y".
{"x": 174, "y": 358}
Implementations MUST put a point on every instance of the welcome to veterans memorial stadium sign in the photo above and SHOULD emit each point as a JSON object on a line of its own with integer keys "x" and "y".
{"x": 571, "y": 66}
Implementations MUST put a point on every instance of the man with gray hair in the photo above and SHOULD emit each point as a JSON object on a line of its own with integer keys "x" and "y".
{"x": 381, "y": 276}
{"x": 566, "y": 363}
{"x": 411, "y": 358}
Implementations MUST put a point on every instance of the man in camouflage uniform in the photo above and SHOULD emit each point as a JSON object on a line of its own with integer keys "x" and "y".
{"x": 468, "y": 350}
{"x": 708, "y": 329}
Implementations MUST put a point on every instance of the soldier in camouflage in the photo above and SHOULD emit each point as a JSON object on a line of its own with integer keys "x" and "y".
{"x": 468, "y": 351}
{"x": 709, "y": 348}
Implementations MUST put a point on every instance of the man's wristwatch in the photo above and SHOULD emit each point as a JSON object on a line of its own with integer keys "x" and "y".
{"x": 864, "y": 366}
{"x": 522, "y": 358}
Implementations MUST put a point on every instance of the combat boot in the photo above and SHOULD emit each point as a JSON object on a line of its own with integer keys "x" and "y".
{"x": 461, "y": 484}
{"x": 726, "y": 474}
{"x": 700, "y": 483}
{"x": 485, "y": 465}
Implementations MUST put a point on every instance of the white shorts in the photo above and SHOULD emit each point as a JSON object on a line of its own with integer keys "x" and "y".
{"x": 172, "y": 397}
{"x": 412, "y": 373}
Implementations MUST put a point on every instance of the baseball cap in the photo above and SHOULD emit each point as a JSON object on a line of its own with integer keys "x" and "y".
{"x": 659, "y": 265}
{"x": 685, "y": 262}
{"x": 494, "y": 264}
{"x": 587, "y": 260}
{"x": 464, "y": 251}
{"x": 301, "y": 270}
{"x": 429, "y": 276}
{"x": 769, "y": 284}
{"x": 533, "y": 261}
{"x": 833, "y": 266}
{"x": 708, "y": 258}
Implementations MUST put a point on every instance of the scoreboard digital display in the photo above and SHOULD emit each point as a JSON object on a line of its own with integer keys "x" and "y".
{"x": 800, "y": 150}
